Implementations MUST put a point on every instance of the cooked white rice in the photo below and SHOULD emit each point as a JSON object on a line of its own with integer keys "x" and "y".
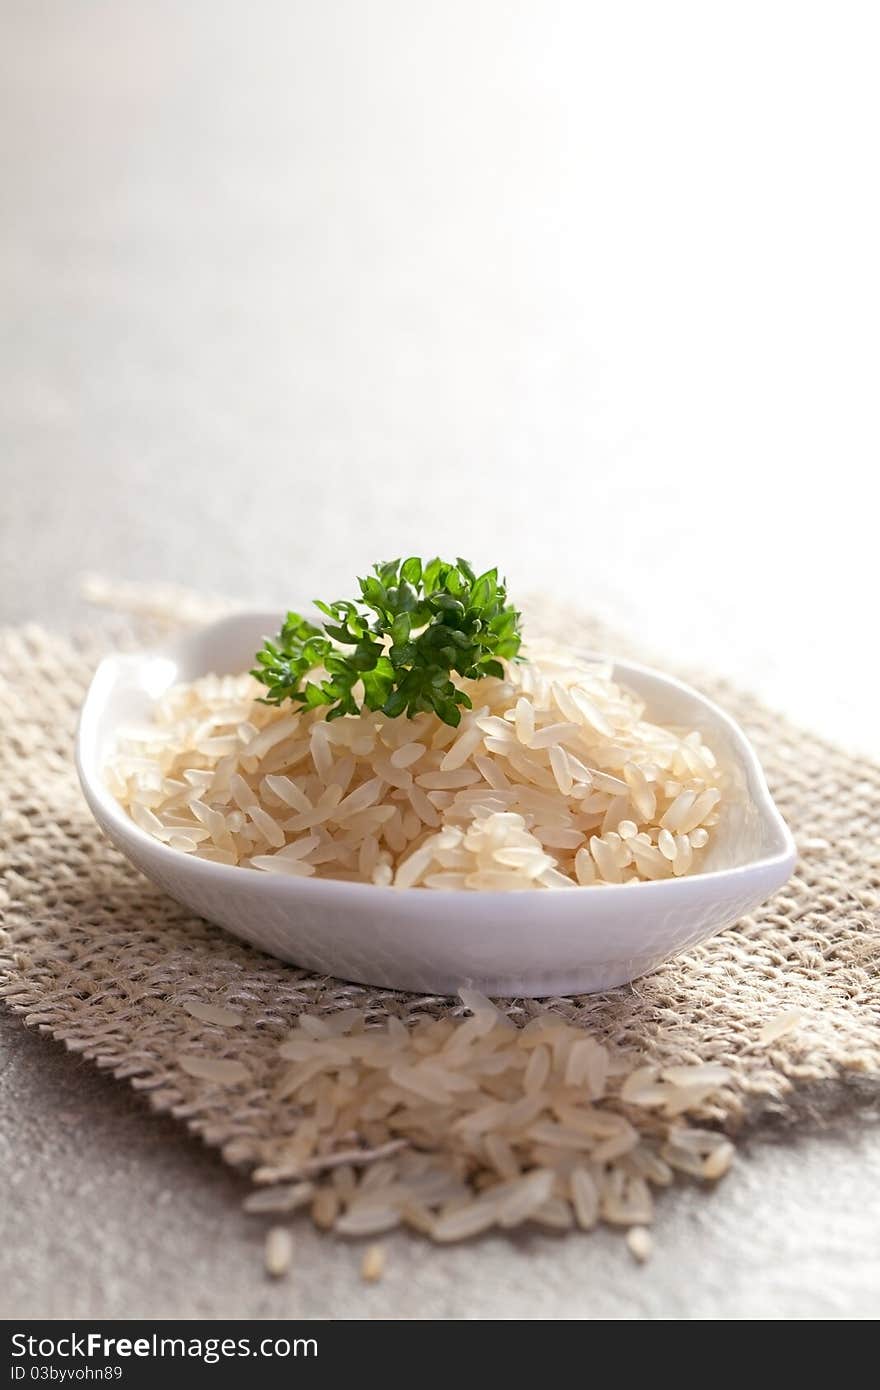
{"x": 554, "y": 779}
{"x": 456, "y": 1125}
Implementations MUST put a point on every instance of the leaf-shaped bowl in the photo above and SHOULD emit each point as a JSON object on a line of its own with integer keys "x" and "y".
{"x": 534, "y": 942}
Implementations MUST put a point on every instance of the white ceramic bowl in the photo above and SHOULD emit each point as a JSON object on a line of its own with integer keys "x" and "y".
{"x": 537, "y": 943}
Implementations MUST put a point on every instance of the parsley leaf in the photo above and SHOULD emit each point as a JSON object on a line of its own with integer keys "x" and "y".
{"x": 397, "y": 647}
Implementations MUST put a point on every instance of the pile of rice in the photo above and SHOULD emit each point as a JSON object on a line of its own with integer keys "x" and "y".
{"x": 455, "y": 1125}
{"x": 554, "y": 779}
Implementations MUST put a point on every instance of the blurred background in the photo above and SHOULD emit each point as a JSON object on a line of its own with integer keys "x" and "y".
{"x": 590, "y": 291}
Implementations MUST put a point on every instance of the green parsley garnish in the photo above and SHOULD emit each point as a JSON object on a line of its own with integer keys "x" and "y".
{"x": 413, "y": 626}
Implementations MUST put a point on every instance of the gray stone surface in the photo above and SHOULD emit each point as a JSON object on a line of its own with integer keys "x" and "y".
{"x": 292, "y": 287}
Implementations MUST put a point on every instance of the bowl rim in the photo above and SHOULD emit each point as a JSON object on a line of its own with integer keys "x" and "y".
{"x": 108, "y": 811}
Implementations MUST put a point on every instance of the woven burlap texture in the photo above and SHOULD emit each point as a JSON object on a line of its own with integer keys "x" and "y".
{"x": 96, "y": 957}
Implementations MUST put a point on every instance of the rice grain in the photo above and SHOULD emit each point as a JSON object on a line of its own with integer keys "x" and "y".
{"x": 279, "y": 1251}
{"x": 373, "y": 1264}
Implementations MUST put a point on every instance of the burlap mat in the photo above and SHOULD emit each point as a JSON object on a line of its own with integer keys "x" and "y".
{"x": 97, "y": 958}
